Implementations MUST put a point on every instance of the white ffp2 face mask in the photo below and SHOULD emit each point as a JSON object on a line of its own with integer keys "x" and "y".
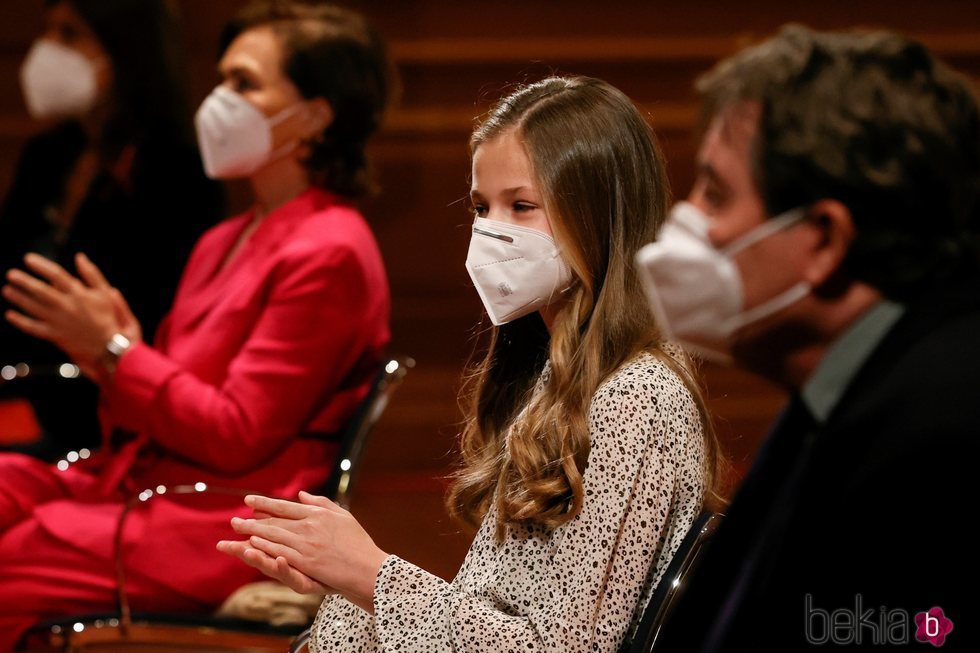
{"x": 694, "y": 288}
{"x": 516, "y": 270}
{"x": 58, "y": 81}
{"x": 235, "y": 138}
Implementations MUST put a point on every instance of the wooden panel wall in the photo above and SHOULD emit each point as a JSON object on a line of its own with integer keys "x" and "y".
{"x": 455, "y": 58}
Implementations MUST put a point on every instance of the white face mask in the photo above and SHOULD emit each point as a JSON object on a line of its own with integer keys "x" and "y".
{"x": 695, "y": 290}
{"x": 58, "y": 81}
{"x": 516, "y": 270}
{"x": 234, "y": 136}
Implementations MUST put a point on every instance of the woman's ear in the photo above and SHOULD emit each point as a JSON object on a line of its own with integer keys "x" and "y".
{"x": 320, "y": 115}
{"x": 835, "y": 228}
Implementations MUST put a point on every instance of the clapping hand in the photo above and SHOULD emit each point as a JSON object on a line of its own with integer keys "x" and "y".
{"x": 312, "y": 546}
{"x": 79, "y": 315}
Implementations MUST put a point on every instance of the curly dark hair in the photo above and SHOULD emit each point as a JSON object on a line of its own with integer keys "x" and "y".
{"x": 335, "y": 54}
{"x": 875, "y": 121}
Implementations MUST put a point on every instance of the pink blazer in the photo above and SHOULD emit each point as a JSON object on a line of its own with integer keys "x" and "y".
{"x": 257, "y": 367}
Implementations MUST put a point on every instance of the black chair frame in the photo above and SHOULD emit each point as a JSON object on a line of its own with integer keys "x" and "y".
{"x": 672, "y": 583}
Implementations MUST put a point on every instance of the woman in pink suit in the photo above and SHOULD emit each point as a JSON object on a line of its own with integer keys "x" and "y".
{"x": 274, "y": 336}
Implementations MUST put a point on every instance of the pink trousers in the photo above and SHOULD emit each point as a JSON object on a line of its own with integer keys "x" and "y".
{"x": 46, "y": 576}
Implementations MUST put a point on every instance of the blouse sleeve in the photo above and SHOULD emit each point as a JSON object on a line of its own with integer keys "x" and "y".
{"x": 645, "y": 427}
{"x": 316, "y": 323}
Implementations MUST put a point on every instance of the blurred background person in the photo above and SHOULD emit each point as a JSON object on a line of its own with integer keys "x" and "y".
{"x": 115, "y": 174}
{"x": 834, "y": 230}
{"x": 274, "y": 338}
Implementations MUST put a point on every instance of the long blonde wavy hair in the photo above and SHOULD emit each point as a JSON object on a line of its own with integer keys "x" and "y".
{"x": 605, "y": 190}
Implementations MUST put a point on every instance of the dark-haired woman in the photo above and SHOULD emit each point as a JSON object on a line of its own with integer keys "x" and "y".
{"x": 273, "y": 339}
{"x": 114, "y": 174}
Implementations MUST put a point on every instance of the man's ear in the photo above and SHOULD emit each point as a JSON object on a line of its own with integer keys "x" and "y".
{"x": 320, "y": 115}
{"x": 835, "y": 230}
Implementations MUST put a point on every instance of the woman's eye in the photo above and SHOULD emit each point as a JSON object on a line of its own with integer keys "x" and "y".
{"x": 714, "y": 196}
{"x": 240, "y": 84}
{"x": 521, "y": 207}
{"x": 479, "y": 210}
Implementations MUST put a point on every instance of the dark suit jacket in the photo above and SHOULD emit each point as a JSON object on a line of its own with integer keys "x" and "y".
{"x": 866, "y": 514}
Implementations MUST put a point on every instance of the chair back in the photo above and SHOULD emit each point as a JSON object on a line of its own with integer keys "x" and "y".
{"x": 672, "y": 583}
{"x": 301, "y": 643}
{"x": 358, "y": 431}
{"x": 352, "y": 446}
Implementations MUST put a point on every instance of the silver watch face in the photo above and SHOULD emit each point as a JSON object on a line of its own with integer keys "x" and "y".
{"x": 118, "y": 344}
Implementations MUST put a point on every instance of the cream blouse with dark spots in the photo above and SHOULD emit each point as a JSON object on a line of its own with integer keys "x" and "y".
{"x": 579, "y": 587}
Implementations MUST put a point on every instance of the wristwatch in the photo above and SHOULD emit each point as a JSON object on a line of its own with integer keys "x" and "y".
{"x": 117, "y": 345}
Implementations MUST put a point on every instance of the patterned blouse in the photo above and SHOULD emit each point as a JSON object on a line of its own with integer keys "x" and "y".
{"x": 579, "y": 587}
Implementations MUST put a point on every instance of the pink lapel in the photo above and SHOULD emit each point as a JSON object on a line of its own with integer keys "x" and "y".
{"x": 212, "y": 283}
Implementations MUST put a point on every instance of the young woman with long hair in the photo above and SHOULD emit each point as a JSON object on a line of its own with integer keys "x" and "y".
{"x": 586, "y": 453}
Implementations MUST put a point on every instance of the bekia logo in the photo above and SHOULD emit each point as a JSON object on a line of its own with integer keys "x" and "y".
{"x": 880, "y": 627}
{"x": 932, "y": 627}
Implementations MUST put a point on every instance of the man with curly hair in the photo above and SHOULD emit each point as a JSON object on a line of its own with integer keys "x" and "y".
{"x": 839, "y": 186}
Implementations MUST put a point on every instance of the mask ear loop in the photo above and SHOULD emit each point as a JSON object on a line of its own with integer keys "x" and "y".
{"x": 786, "y": 298}
{"x": 285, "y": 114}
{"x": 771, "y": 226}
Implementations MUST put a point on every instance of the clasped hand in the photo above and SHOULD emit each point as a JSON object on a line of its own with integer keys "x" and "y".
{"x": 313, "y": 546}
{"x": 77, "y": 315}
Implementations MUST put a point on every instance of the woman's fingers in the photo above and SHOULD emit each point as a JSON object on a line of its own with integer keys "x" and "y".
{"x": 291, "y": 509}
{"x": 274, "y": 567}
{"x": 250, "y": 556}
{"x": 259, "y": 560}
{"x": 91, "y": 274}
{"x": 273, "y": 528}
{"x": 232, "y": 547}
{"x": 39, "y": 290}
{"x": 277, "y": 507}
{"x": 290, "y": 534}
{"x": 54, "y": 273}
{"x": 24, "y": 301}
{"x": 320, "y": 502}
{"x": 264, "y": 563}
{"x": 316, "y": 539}
{"x": 298, "y": 581}
{"x": 272, "y": 548}
{"x": 29, "y": 326}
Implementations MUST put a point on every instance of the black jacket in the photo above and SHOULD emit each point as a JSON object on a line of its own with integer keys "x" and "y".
{"x": 860, "y": 522}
